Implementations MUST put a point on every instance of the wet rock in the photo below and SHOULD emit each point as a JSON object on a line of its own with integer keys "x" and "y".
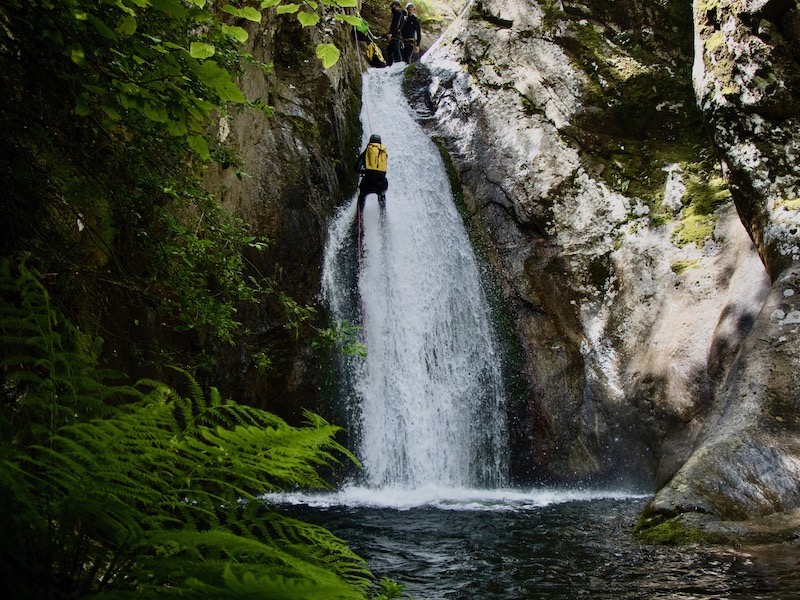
{"x": 298, "y": 164}
{"x": 632, "y": 280}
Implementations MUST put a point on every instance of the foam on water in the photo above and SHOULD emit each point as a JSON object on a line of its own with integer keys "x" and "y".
{"x": 471, "y": 499}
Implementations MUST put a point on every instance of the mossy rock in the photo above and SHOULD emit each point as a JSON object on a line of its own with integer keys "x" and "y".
{"x": 695, "y": 229}
{"x": 679, "y": 266}
{"x": 673, "y": 531}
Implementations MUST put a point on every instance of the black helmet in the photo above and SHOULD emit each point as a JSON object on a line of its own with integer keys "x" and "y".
{"x": 375, "y": 138}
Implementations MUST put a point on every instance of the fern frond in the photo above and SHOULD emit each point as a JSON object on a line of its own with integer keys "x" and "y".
{"x": 148, "y": 496}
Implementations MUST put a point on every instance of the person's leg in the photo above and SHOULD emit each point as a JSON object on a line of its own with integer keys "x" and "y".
{"x": 382, "y": 205}
{"x": 407, "y": 50}
{"x": 394, "y": 51}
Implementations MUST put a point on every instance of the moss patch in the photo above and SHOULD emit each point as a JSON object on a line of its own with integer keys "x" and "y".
{"x": 697, "y": 229}
{"x": 679, "y": 266}
{"x": 671, "y": 532}
{"x": 793, "y": 204}
{"x": 703, "y": 196}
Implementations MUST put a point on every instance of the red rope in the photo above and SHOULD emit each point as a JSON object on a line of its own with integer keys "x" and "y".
{"x": 358, "y": 204}
{"x": 361, "y": 63}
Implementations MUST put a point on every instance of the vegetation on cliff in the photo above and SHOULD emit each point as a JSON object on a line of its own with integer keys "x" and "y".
{"x": 107, "y": 117}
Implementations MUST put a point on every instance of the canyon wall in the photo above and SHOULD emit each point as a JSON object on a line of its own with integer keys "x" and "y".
{"x": 631, "y": 169}
{"x": 298, "y": 162}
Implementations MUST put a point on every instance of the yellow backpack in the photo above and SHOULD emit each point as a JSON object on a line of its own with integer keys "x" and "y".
{"x": 375, "y": 158}
{"x": 374, "y": 55}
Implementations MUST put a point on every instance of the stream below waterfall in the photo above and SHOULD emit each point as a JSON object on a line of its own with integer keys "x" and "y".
{"x": 540, "y": 545}
{"x": 433, "y": 507}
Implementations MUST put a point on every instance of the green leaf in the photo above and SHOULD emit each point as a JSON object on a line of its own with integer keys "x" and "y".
{"x": 82, "y": 106}
{"x": 237, "y": 32}
{"x": 232, "y": 10}
{"x": 102, "y": 28}
{"x": 269, "y": 3}
{"x": 177, "y": 128}
{"x": 284, "y": 9}
{"x": 127, "y": 102}
{"x": 251, "y": 14}
{"x": 346, "y": 3}
{"x": 155, "y": 112}
{"x": 218, "y": 79}
{"x": 351, "y": 19}
{"x": 127, "y": 25}
{"x": 312, "y": 4}
{"x": 76, "y": 54}
{"x": 111, "y": 112}
{"x": 200, "y": 146}
{"x": 328, "y": 54}
{"x": 307, "y": 19}
{"x": 172, "y": 8}
{"x": 201, "y": 50}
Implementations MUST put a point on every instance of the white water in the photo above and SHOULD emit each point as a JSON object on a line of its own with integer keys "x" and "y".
{"x": 427, "y": 404}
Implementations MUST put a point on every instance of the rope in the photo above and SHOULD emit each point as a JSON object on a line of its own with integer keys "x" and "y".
{"x": 362, "y": 69}
{"x": 358, "y": 204}
{"x": 358, "y": 250}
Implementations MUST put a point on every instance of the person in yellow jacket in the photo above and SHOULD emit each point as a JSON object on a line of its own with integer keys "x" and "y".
{"x": 371, "y": 165}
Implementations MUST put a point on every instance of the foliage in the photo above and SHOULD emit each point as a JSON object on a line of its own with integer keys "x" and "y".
{"x": 108, "y": 117}
{"x": 155, "y": 496}
{"x": 50, "y": 373}
{"x": 389, "y": 589}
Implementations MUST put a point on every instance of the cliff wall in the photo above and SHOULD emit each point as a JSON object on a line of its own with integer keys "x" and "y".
{"x": 299, "y": 165}
{"x": 632, "y": 170}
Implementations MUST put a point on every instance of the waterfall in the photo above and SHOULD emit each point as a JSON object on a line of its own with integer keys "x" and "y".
{"x": 426, "y": 404}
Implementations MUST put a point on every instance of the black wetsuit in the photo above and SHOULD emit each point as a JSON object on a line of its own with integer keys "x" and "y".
{"x": 412, "y": 35}
{"x": 372, "y": 182}
{"x": 393, "y": 52}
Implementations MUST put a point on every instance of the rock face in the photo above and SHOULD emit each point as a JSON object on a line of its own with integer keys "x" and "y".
{"x": 299, "y": 164}
{"x": 745, "y": 466}
{"x": 633, "y": 284}
{"x": 747, "y": 76}
{"x": 654, "y": 349}
{"x": 747, "y": 463}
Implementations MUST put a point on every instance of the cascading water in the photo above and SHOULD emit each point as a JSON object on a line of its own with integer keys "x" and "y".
{"x": 427, "y": 403}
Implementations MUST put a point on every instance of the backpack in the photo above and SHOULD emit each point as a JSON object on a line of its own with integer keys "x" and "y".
{"x": 375, "y": 157}
{"x": 374, "y": 55}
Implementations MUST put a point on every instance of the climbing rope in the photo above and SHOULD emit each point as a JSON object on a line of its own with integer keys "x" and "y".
{"x": 362, "y": 69}
{"x": 358, "y": 204}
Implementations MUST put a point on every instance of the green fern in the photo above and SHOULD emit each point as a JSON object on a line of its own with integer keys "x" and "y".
{"x": 50, "y": 369}
{"x": 158, "y": 495}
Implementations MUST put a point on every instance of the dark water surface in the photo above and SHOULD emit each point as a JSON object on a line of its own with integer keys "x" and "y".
{"x": 572, "y": 549}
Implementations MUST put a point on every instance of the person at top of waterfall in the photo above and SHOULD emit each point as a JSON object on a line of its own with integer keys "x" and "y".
{"x": 371, "y": 165}
{"x": 395, "y": 35}
{"x": 412, "y": 33}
